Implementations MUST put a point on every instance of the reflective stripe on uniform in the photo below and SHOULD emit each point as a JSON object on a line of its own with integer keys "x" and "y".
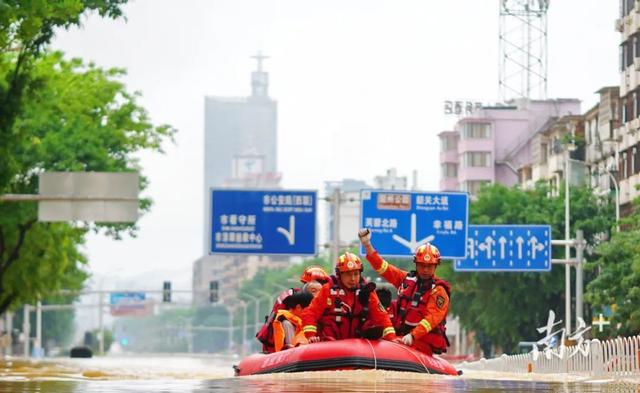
{"x": 310, "y": 328}
{"x": 388, "y": 330}
{"x": 383, "y": 268}
{"x": 426, "y": 325}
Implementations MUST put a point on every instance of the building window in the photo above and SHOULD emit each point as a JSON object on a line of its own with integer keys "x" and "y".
{"x": 476, "y": 131}
{"x": 525, "y": 174}
{"x": 449, "y": 170}
{"x": 633, "y": 161}
{"x": 449, "y": 142}
{"x": 473, "y": 186}
{"x": 475, "y": 159}
{"x": 625, "y": 168}
{"x": 544, "y": 151}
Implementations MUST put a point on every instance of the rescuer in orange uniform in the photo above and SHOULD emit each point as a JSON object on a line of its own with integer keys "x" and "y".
{"x": 343, "y": 306}
{"x": 423, "y": 299}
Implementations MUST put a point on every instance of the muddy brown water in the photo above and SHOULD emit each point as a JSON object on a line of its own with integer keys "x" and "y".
{"x": 215, "y": 374}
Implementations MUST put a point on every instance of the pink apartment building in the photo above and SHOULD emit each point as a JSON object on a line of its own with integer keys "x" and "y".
{"x": 492, "y": 144}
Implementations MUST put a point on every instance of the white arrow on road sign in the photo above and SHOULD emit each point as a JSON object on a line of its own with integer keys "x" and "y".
{"x": 488, "y": 241}
{"x": 535, "y": 246}
{"x": 519, "y": 240}
{"x": 502, "y": 242}
{"x": 413, "y": 244}
{"x": 291, "y": 233}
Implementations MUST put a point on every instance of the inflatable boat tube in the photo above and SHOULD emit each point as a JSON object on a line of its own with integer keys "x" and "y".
{"x": 350, "y": 354}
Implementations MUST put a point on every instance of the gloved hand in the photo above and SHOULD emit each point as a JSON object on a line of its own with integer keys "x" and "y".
{"x": 407, "y": 340}
{"x": 365, "y": 236}
{"x": 313, "y": 339}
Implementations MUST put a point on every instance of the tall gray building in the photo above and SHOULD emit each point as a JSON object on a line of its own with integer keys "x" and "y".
{"x": 240, "y": 152}
{"x": 240, "y": 140}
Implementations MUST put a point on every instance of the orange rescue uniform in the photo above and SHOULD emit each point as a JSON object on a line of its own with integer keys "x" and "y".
{"x": 323, "y": 304}
{"x": 433, "y": 312}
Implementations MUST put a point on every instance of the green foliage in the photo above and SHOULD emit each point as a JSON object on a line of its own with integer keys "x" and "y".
{"x": 26, "y": 27}
{"x": 79, "y": 118}
{"x": 506, "y": 308}
{"x": 618, "y": 278}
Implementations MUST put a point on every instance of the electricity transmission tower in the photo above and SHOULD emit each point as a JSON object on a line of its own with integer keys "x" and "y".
{"x": 523, "y": 49}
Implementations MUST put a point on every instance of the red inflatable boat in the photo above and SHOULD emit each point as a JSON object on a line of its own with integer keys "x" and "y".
{"x": 354, "y": 353}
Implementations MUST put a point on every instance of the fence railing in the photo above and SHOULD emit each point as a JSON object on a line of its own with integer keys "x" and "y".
{"x": 619, "y": 357}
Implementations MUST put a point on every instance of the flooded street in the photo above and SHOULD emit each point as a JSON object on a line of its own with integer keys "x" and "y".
{"x": 215, "y": 374}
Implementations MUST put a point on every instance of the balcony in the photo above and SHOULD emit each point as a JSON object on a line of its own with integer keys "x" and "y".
{"x": 555, "y": 163}
{"x": 449, "y": 156}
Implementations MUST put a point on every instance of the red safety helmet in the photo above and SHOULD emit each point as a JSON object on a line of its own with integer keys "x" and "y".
{"x": 427, "y": 254}
{"x": 348, "y": 262}
{"x": 314, "y": 272}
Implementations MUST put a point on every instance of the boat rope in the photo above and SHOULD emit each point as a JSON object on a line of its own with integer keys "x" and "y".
{"x": 375, "y": 360}
{"x": 414, "y": 354}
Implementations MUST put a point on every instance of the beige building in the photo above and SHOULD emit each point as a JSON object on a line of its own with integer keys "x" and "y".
{"x": 626, "y": 137}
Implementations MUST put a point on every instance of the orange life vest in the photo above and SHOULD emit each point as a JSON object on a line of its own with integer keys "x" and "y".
{"x": 411, "y": 307}
{"x": 278, "y": 330}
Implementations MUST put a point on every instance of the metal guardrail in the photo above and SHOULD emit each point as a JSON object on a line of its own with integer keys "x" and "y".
{"x": 619, "y": 357}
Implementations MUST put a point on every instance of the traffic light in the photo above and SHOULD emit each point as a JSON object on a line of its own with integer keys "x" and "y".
{"x": 213, "y": 291}
{"x": 166, "y": 292}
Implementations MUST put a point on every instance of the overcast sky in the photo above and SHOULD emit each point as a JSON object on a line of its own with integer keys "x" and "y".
{"x": 360, "y": 86}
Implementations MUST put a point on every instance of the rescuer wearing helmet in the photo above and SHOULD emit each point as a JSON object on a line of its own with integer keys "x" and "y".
{"x": 343, "y": 306}
{"x": 423, "y": 299}
{"x": 310, "y": 276}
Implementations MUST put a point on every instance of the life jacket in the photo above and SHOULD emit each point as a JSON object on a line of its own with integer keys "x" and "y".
{"x": 279, "y": 331}
{"x": 265, "y": 334}
{"x": 411, "y": 307}
{"x": 340, "y": 319}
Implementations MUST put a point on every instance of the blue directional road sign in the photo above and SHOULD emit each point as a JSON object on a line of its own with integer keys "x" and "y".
{"x": 507, "y": 248}
{"x": 128, "y": 303}
{"x": 281, "y": 222}
{"x": 400, "y": 221}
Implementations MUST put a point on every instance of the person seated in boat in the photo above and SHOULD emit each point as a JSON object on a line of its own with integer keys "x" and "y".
{"x": 384, "y": 294}
{"x": 423, "y": 299}
{"x": 344, "y": 305}
{"x": 287, "y": 325}
{"x": 265, "y": 334}
{"x": 312, "y": 287}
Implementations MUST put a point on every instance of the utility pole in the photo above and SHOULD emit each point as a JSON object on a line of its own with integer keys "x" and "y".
{"x": 101, "y": 325}
{"x": 26, "y": 329}
{"x": 579, "y": 275}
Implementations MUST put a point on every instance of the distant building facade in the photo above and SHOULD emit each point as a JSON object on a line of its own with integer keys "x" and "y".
{"x": 625, "y": 137}
{"x": 493, "y": 144}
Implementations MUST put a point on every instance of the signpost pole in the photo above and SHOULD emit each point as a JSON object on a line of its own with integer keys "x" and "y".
{"x": 335, "y": 242}
{"x": 567, "y": 250}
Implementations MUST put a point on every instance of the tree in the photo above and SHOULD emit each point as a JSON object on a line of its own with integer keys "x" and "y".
{"x": 507, "y": 307}
{"x": 74, "y": 117}
{"x": 26, "y": 27}
{"x": 618, "y": 281}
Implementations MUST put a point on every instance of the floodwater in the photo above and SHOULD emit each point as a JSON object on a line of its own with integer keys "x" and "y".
{"x": 215, "y": 374}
